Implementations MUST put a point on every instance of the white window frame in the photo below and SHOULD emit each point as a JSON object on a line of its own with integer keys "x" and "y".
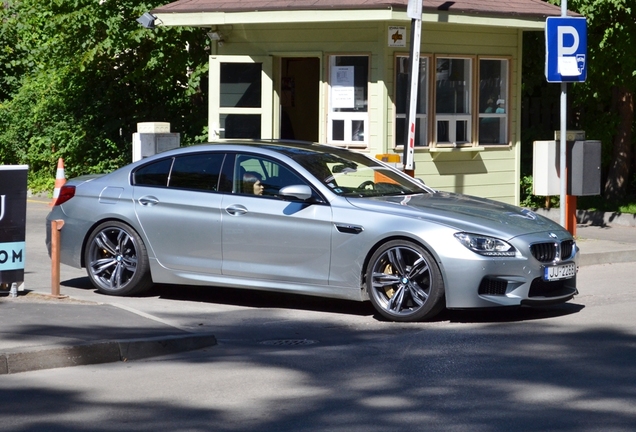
{"x": 215, "y": 110}
{"x": 454, "y": 118}
{"x": 348, "y": 117}
{"x": 504, "y": 118}
{"x": 421, "y": 119}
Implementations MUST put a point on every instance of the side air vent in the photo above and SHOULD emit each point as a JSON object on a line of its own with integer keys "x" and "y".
{"x": 492, "y": 286}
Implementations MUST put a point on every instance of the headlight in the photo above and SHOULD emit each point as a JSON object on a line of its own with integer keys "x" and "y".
{"x": 484, "y": 245}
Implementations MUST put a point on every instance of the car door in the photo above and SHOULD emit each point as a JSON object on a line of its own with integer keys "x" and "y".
{"x": 179, "y": 209}
{"x": 269, "y": 238}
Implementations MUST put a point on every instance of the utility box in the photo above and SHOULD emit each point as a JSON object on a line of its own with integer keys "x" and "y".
{"x": 152, "y": 138}
{"x": 546, "y": 163}
{"x": 584, "y": 172}
{"x": 583, "y": 166}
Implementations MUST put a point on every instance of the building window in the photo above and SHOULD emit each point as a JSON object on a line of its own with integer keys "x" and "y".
{"x": 453, "y": 123}
{"x": 240, "y": 87}
{"x": 493, "y": 101}
{"x": 402, "y": 72}
{"x": 348, "y": 122}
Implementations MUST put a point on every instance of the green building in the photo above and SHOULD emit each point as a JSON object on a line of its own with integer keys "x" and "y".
{"x": 336, "y": 71}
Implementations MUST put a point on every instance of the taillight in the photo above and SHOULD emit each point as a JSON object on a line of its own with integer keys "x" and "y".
{"x": 66, "y": 193}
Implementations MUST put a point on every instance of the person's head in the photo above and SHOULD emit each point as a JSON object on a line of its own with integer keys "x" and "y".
{"x": 252, "y": 182}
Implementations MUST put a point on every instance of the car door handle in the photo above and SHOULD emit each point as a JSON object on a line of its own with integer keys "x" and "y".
{"x": 148, "y": 201}
{"x": 236, "y": 210}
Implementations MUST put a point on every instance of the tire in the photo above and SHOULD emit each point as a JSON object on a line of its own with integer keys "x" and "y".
{"x": 116, "y": 260}
{"x": 404, "y": 282}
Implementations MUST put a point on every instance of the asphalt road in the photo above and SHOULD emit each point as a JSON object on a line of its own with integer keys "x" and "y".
{"x": 292, "y": 363}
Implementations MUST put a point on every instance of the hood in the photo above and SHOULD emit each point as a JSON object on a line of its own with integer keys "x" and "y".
{"x": 462, "y": 212}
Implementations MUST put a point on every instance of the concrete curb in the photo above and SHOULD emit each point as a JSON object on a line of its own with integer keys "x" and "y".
{"x": 46, "y": 357}
{"x": 588, "y": 259}
{"x": 594, "y": 218}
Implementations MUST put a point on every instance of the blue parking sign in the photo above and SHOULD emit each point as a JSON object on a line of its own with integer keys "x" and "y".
{"x": 565, "y": 49}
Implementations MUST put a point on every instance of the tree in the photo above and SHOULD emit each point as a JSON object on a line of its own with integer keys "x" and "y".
{"x": 606, "y": 99}
{"x": 79, "y": 75}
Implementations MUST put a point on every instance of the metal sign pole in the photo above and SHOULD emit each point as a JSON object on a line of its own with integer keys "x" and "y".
{"x": 414, "y": 11}
{"x": 562, "y": 148}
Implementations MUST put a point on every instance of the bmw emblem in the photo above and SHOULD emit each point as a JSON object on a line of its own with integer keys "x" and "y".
{"x": 553, "y": 235}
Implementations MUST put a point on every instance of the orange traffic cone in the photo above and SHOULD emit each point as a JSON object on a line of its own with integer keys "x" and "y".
{"x": 60, "y": 179}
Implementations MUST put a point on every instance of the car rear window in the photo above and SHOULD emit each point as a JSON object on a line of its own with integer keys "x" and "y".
{"x": 196, "y": 172}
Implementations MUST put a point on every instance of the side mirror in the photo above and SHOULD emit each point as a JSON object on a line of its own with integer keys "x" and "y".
{"x": 301, "y": 192}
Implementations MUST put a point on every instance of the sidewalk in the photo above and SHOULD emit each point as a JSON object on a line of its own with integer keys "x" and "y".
{"x": 603, "y": 238}
{"x": 41, "y": 332}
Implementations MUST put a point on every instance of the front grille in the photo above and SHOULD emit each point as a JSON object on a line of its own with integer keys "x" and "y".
{"x": 492, "y": 286}
{"x": 544, "y": 252}
{"x": 550, "y": 251}
{"x": 567, "y": 247}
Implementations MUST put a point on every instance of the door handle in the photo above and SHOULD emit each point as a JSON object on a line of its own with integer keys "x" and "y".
{"x": 148, "y": 201}
{"x": 236, "y": 210}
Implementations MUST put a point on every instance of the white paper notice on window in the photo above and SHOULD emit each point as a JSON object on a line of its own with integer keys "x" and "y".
{"x": 342, "y": 90}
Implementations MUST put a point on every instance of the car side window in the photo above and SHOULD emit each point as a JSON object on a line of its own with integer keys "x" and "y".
{"x": 260, "y": 176}
{"x": 153, "y": 174}
{"x": 197, "y": 172}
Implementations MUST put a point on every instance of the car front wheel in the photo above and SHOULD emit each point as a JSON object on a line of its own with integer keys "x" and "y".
{"x": 404, "y": 282}
{"x": 116, "y": 260}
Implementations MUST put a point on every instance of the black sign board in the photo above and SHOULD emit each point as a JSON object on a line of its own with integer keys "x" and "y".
{"x": 13, "y": 193}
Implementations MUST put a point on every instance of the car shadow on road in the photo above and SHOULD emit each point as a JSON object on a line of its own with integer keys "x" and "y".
{"x": 266, "y": 299}
{"x": 243, "y": 297}
{"x": 261, "y": 299}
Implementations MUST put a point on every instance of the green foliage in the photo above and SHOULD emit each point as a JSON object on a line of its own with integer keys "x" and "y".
{"x": 76, "y": 76}
{"x": 611, "y": 34}
{"x": 534, "y": 201}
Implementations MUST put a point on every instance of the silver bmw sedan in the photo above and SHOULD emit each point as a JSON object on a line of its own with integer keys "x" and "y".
{"x": 308, "y": 219}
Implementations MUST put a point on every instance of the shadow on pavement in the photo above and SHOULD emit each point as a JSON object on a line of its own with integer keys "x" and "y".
{"x": 271, "y": 300}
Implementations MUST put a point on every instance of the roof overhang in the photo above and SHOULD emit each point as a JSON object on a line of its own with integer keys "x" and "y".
{"x": 208, "y": 19}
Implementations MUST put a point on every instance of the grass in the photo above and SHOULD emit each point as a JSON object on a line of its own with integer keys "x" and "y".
{"x": 591, "y": 203}
{"x": 597, "y": 203}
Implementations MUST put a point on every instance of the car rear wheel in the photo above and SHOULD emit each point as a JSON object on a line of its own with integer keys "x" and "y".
{"x": 404, "y": 282}
{"x": 116, "y": 260}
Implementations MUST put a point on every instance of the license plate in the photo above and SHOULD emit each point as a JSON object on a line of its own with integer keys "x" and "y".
{"x": 558, "y": 272}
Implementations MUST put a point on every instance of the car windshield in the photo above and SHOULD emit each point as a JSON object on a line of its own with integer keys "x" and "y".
{"x": 352, "y": 174}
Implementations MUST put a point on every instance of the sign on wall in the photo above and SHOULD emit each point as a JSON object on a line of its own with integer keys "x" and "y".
{"x": 397, "y": 36}
{"x": 342, "y": 87}
{"x": 13, "y": 192}
{"x": 566, "y": 49}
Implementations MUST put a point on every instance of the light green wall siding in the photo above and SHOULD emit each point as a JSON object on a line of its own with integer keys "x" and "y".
{"x": 490, "y": 173}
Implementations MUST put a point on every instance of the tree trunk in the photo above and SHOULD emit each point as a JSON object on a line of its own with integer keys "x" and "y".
{"x": 618, "y": 175}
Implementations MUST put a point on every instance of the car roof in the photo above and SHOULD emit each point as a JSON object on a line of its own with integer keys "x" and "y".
{"x": 286, "y": 147}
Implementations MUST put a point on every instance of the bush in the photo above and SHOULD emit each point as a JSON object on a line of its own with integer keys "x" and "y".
{"x": 535, "y": 201}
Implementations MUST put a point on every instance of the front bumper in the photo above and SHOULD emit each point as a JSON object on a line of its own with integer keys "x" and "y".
{"x": 482, "y": 282}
